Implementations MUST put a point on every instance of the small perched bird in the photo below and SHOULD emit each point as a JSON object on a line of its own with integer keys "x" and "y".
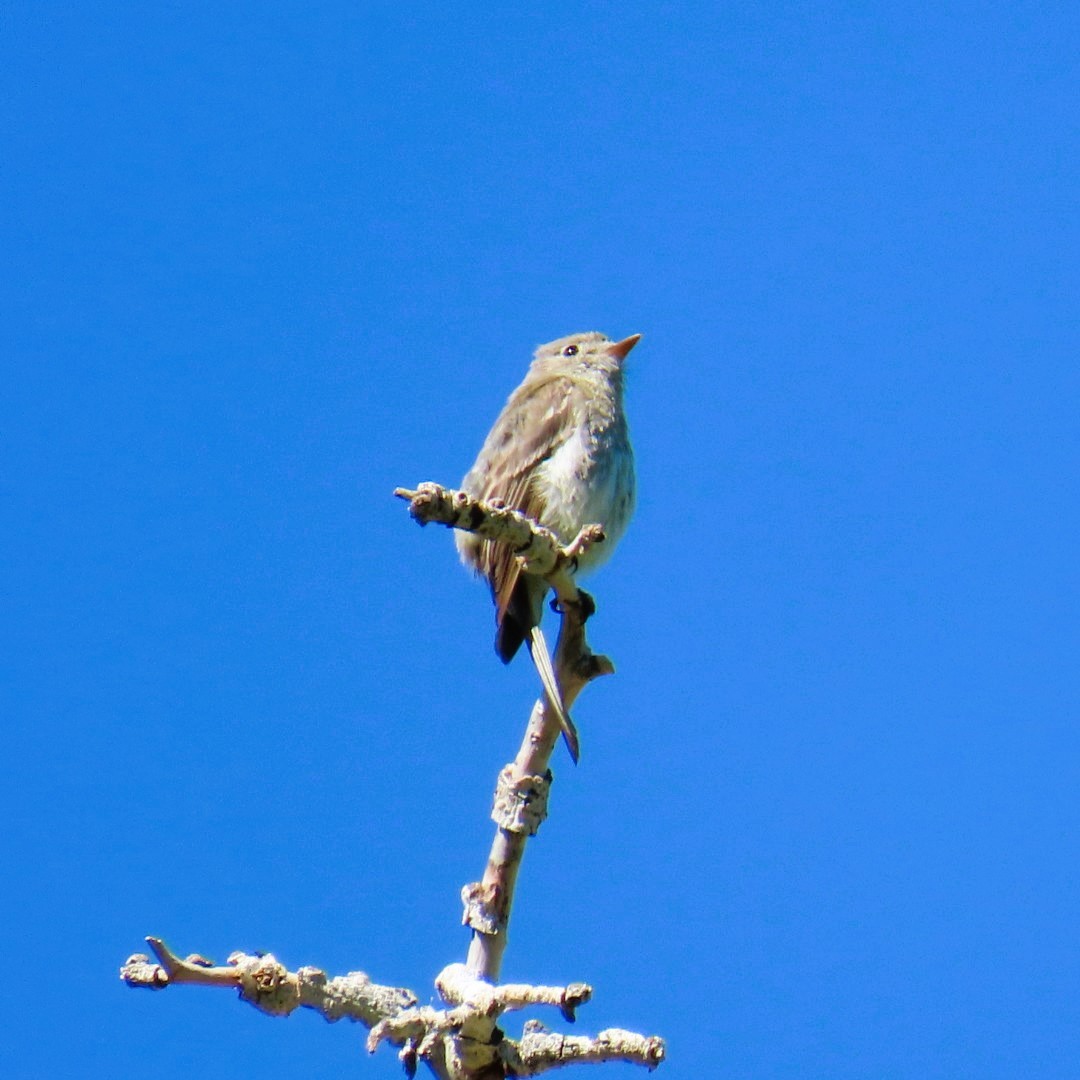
{"x": 560, "y": 453}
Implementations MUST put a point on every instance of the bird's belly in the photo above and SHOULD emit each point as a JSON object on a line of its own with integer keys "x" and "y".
{"x": 588, "y": 481}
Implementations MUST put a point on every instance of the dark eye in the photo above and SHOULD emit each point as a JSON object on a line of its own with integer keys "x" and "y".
{"x": 570, "y": 350}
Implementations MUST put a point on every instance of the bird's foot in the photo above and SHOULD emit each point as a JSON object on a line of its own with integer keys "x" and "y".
{"x": 584, "y": 601}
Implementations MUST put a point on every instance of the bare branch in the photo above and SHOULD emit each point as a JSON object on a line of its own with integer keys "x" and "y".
{"x": 268, "y": 985}
{"x": 538, "y": 547}
{"x": 521, "y": 797}
{"x": 458, "y": 986}
{"x": 462, "y": 1041}
{"x": 540, "y": 1050}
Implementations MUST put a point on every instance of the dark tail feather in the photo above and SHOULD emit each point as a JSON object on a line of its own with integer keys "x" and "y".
{"x": 521, "y": 615}
{"x": 508, "y": 638}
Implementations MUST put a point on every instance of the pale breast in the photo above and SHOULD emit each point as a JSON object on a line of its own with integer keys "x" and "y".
{"x": 590, "y": 479}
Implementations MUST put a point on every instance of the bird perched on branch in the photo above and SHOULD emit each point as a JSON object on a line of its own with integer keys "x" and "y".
{"x": 560, "y": 453}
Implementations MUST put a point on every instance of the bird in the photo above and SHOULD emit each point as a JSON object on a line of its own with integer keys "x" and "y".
{"x": 560, "y": 453}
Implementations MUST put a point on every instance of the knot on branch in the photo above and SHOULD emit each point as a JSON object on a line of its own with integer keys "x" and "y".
{"x": 485, "y": 910}
{"x": 270, "y": 986}
{"x": 139, "y": 971}
{"x": 521, "y": 801}
{"x": 266, "y": 984}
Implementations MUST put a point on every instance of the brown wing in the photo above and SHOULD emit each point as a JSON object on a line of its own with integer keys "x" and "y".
{"x": 535, "y": 422}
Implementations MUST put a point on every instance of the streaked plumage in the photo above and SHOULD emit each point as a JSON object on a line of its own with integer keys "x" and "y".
{"x": 560, "y": 453}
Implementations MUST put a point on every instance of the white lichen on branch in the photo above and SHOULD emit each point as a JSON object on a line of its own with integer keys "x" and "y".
{"x": 539, "y": 1050}
{"x": 268, "y": 985}
{"x": 460, "y": 1042}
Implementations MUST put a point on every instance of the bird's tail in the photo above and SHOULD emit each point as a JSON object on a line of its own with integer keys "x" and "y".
{"x": 546, "y": 670}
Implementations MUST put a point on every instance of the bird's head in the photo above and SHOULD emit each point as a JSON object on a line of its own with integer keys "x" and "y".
{"x": 585, "y": 351}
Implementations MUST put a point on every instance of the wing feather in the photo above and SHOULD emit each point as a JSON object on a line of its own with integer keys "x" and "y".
{"x": 536, "y": 420}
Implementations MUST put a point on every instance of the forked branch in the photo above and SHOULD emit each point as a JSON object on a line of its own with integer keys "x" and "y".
{"x": 461, "y": 1041}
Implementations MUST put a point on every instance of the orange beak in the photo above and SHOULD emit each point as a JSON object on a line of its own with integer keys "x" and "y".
{"x": 619, "y": 349}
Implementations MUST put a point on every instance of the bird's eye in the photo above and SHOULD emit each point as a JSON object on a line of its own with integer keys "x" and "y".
{"x": 570, "y": 350}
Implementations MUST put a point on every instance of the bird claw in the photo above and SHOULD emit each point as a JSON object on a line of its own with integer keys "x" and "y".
{"x": 584, "y": 601}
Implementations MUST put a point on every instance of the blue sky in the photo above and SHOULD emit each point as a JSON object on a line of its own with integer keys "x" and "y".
{"x": 266, "y": 263}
